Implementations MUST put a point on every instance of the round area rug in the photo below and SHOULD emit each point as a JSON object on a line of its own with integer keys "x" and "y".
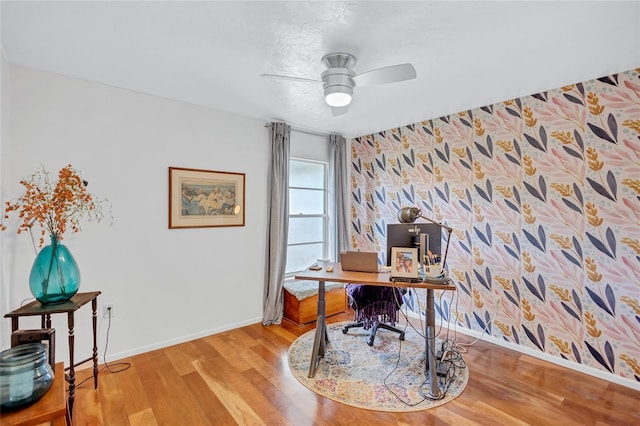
{"x": 374, "y": 377}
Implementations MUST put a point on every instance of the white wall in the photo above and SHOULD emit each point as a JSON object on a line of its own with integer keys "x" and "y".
{"x": 166, "y": 286}
{"x": 5, "y": 135}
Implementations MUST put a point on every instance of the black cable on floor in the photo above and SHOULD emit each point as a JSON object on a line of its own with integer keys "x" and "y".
{"x": 122, "y": 365}
{"x": 451, "y": 357}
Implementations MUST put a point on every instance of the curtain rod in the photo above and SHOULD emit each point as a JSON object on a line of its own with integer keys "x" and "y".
{"x": 309, "y": 132}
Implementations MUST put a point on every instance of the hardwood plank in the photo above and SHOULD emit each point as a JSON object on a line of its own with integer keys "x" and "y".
{"x": 169, "y": 397}
{"x": 112, "y": 399}
{"x": 227, "y": 393}
{"x": 224, "y": 344}
{"x": 143, "y": 418}
{"x": 181, "y": 357}
{"x": 241, "y": 377}
{"x": 209, "y": 403}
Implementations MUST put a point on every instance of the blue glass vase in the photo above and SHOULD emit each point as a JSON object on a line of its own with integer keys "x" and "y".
{"x": 55, "y": 276}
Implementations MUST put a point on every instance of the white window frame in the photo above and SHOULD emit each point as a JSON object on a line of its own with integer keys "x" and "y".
{"x": 325, "y": 214}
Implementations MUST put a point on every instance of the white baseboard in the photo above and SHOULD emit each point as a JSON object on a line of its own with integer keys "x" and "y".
{"x": 165, "y": 343}
{"x": 537, "y": 354}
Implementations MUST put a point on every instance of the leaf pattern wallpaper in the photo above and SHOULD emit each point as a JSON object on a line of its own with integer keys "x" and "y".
{"x": 543, "y": 193}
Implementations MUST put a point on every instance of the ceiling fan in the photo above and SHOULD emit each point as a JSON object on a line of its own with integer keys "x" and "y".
{"x": 338, "y": 80}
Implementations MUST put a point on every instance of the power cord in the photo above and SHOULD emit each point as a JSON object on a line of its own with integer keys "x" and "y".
{"x": 388, "y": 387}
{"x": 462, "y": 347}
{"x": 450, "y": 349}
{"x": 449, "y": 356}
{"x": 28, "y": 299}
{"x": 121, "y": 366}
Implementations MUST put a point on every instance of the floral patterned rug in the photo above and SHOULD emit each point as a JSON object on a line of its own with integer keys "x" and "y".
{"x": 373, "y": 377}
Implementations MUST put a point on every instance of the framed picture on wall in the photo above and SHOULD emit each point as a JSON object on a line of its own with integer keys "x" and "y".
{"x": 404, "y": 262}
{"x": 205, "y": 198}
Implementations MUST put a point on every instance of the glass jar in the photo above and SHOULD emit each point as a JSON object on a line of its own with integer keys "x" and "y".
{"x": 25, "y": 375}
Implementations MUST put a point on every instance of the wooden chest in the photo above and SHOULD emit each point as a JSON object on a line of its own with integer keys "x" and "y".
{"x": 306, "y": 310}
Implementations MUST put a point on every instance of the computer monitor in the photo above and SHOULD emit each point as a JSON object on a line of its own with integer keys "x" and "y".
{"x": 408, "y": 235}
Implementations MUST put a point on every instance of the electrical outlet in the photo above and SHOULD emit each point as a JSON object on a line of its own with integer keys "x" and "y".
{"x": 107, "y": 311}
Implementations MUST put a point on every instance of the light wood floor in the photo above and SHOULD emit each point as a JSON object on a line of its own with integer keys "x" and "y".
{"x": 241, "y": 377}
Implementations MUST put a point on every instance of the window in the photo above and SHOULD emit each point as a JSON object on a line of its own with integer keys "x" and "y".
{"x": 308, "y": 217}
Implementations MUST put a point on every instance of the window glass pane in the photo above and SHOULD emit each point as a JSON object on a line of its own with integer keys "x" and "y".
{"x": 306, "y": 175}
{"x": 305, "y": 201}
{"x": 301, "y": 257}
{"x": 305, "y": 230}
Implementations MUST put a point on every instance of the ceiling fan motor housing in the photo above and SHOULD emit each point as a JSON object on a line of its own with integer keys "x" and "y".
{"x": 337, "y": 79}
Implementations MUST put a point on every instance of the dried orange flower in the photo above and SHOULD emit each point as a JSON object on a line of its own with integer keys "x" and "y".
{"x": 55, "y": 208}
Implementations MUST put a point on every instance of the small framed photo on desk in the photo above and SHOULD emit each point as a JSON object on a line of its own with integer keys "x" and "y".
{"x": 404, "y": 262}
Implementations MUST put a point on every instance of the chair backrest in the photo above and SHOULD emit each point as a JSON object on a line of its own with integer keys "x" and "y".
{"x": 375, "y": 303}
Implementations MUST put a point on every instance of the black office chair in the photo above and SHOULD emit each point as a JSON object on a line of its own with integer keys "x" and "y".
{"x": 375, "y": 307}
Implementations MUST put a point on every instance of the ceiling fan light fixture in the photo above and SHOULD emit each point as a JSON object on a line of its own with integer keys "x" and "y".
{"x": 338, "y": 96}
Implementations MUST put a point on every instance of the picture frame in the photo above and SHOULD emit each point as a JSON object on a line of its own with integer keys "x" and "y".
{"x": 205, "y": 198}
{"x": 404, "y": 262}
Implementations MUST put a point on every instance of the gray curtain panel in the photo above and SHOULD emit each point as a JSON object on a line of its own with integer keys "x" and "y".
{"x": 277, "y": 224}
{"x": 340, "y": 198}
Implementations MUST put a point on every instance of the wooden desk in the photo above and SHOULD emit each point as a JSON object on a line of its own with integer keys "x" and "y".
{"x": 52, "y": 407}
{"x": 379, "y": 279}
{"x": 36, "y": 308}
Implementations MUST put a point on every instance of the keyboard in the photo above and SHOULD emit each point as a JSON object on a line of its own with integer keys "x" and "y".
{"x": 404, "y": 280}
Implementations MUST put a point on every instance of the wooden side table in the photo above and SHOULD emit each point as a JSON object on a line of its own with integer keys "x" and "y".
{"x": 52, "y": 407}
{"x": 70, "y": 307}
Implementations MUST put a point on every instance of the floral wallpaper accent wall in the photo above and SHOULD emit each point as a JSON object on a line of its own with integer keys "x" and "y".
{"x": 543, "y": 193}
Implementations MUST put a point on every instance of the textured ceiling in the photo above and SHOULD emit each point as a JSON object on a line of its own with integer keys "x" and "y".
{"x": 467, "y": 54}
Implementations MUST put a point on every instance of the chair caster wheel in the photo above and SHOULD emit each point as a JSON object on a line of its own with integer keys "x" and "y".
{"x": 370, "y": 342}
{"x": 344, "y": 330}
{"x": 402, "y": 336}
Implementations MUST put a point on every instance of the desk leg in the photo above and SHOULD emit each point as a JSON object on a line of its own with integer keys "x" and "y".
{"x": 94, "y": 316}
{"x": 430, "y": 343}
{"x": 320, "y": 338}
{"x": 72, "y": 370}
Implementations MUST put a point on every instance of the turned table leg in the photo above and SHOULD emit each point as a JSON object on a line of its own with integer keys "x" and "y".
{"x": 94, "y": 307}
{"x": 72, "y": 370}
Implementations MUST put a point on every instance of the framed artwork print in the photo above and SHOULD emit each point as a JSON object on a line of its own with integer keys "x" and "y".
{"x": 205, "y": 198}
{"x": 404, "y": 262}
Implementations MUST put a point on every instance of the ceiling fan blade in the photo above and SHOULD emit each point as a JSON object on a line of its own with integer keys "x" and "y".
{"x": 287, "y": 77}
{"x": 336, "y": 111}
{"x": 386, "y": 75}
